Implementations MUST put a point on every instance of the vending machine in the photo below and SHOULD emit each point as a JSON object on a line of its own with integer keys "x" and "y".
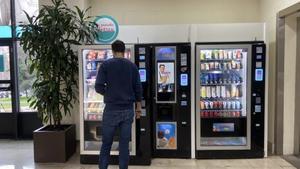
{"x": 230, "y": 88}
{"x": 165, "y": 74}
{"x": 91, "y": 111}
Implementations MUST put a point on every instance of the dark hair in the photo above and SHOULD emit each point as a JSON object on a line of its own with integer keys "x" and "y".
{"x": 118, "y": 46}
{"x": 162, "y": 65}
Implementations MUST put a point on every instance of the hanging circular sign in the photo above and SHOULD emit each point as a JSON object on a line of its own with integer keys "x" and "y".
{"x": 108, "y": 29}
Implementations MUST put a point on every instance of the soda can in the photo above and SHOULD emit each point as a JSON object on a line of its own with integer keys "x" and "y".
{"x": 239, "y": 54}
{"x": 215, "y": 114}
{"x": 211, "y": 66}
{"x": 206, "y": 105}
{"x": 230, "y": 54}
{"x": 233, "y": 105}
{"x": 208, "y": 92}
{"x": 233, "y": 114}
{"x": 202, "y": 105}
{"x": 229, "y": 66}
{"x": 216, "y": 52}
{"x": 224, "y": 105}
{"x": 228, "y": 105}
{"x": 206, "y": 115}
{"x": 202, "y": 67}
{"x": 202, "y": 114}
{"x": 238, "y": 65}
{"x": 213, "y": 92}
{"x": 238, "y": 105}
{"x": 211, "y": 104}
{"x": 234, "y": 54}
{"x": 225, "y": 54}
{"x": 211, "y": 114}
{"x": 221, "y": 54}
{"x": 238, "y": 114}
{"x": 208, "y": 54}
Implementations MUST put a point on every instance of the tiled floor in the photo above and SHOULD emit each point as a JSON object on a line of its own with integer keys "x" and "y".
{"x": 19, "y": 155}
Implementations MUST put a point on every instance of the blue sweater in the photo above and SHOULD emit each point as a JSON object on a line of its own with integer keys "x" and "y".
{"x": 119, "y": 82}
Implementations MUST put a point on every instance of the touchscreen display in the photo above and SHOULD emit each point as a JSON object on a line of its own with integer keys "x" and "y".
{"x": 165, "y": 77}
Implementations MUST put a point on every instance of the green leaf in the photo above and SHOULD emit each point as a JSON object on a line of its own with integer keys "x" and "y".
{"x": 48, "y": 41}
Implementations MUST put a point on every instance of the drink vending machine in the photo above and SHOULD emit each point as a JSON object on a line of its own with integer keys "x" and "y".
{"x": 91, "y": 111}
{"x": 230, "y": 94}
{"x": 165, "y": 75}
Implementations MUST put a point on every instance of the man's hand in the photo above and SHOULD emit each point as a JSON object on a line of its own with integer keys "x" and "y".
{"x": 138, "y": 110}
{"x": 138, "y": 114}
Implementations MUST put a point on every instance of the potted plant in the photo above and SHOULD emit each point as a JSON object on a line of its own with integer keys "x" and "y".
{"x": 49, "y": 40}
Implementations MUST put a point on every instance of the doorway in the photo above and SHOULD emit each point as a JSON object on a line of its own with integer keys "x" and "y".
{"x": 287, "y": 126}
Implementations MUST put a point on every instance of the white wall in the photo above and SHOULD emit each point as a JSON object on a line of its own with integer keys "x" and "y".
{"x": 157, "y": 12}
{"x": 269, "y": 10}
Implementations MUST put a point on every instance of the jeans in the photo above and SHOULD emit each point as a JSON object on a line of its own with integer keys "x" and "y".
{"x": 112, "y": 120}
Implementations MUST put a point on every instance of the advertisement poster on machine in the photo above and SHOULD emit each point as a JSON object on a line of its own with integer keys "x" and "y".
{"x": 166, "y": 135}
{"x": 165, "y": 77}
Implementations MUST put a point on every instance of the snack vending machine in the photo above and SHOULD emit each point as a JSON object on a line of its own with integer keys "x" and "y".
{"x": 165, "y": 74}
{"x": 230, "y": 87}
{"x": 92, "y": 106}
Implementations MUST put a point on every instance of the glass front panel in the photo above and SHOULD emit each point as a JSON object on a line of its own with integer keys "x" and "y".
{"x": 25, "y": 80}
{"x": 223, "y": 106}
{"x": 93, "y": 102}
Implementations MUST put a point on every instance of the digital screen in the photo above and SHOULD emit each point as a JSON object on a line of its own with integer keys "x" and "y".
{"x": 259, "y": 74}
{"x": 165, "y": 53}
{"x": 142, "y": 57}
{"x": 223, "y": 127}
{"x": 183, "y": 79}
{"x": 166, "y": 77}
{"x": 143, "y": 76}
{"x": 166, "y": 135}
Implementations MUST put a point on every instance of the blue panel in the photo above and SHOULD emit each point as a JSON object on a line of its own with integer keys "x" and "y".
{"x": 183, "y": 79}
{"x": 259, "y": 74}
{"x": 143, "y": 75}
{"x": 5, "y": 32}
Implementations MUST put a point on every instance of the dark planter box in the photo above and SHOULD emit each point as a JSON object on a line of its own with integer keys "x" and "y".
{"x": 54, "y": 146}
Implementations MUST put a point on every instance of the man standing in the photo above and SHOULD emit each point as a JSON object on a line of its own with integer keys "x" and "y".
{"x": 118, "y": 81}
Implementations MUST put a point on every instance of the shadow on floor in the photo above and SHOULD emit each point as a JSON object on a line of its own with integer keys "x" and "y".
{"x": 294, "y": 160}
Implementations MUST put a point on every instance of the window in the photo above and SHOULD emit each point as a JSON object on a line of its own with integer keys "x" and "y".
{"x": 5, "y": 19}
{"x": 30, "y": 6}
{"x": 25, "y": 81}
{"x": 25, "y": 78}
